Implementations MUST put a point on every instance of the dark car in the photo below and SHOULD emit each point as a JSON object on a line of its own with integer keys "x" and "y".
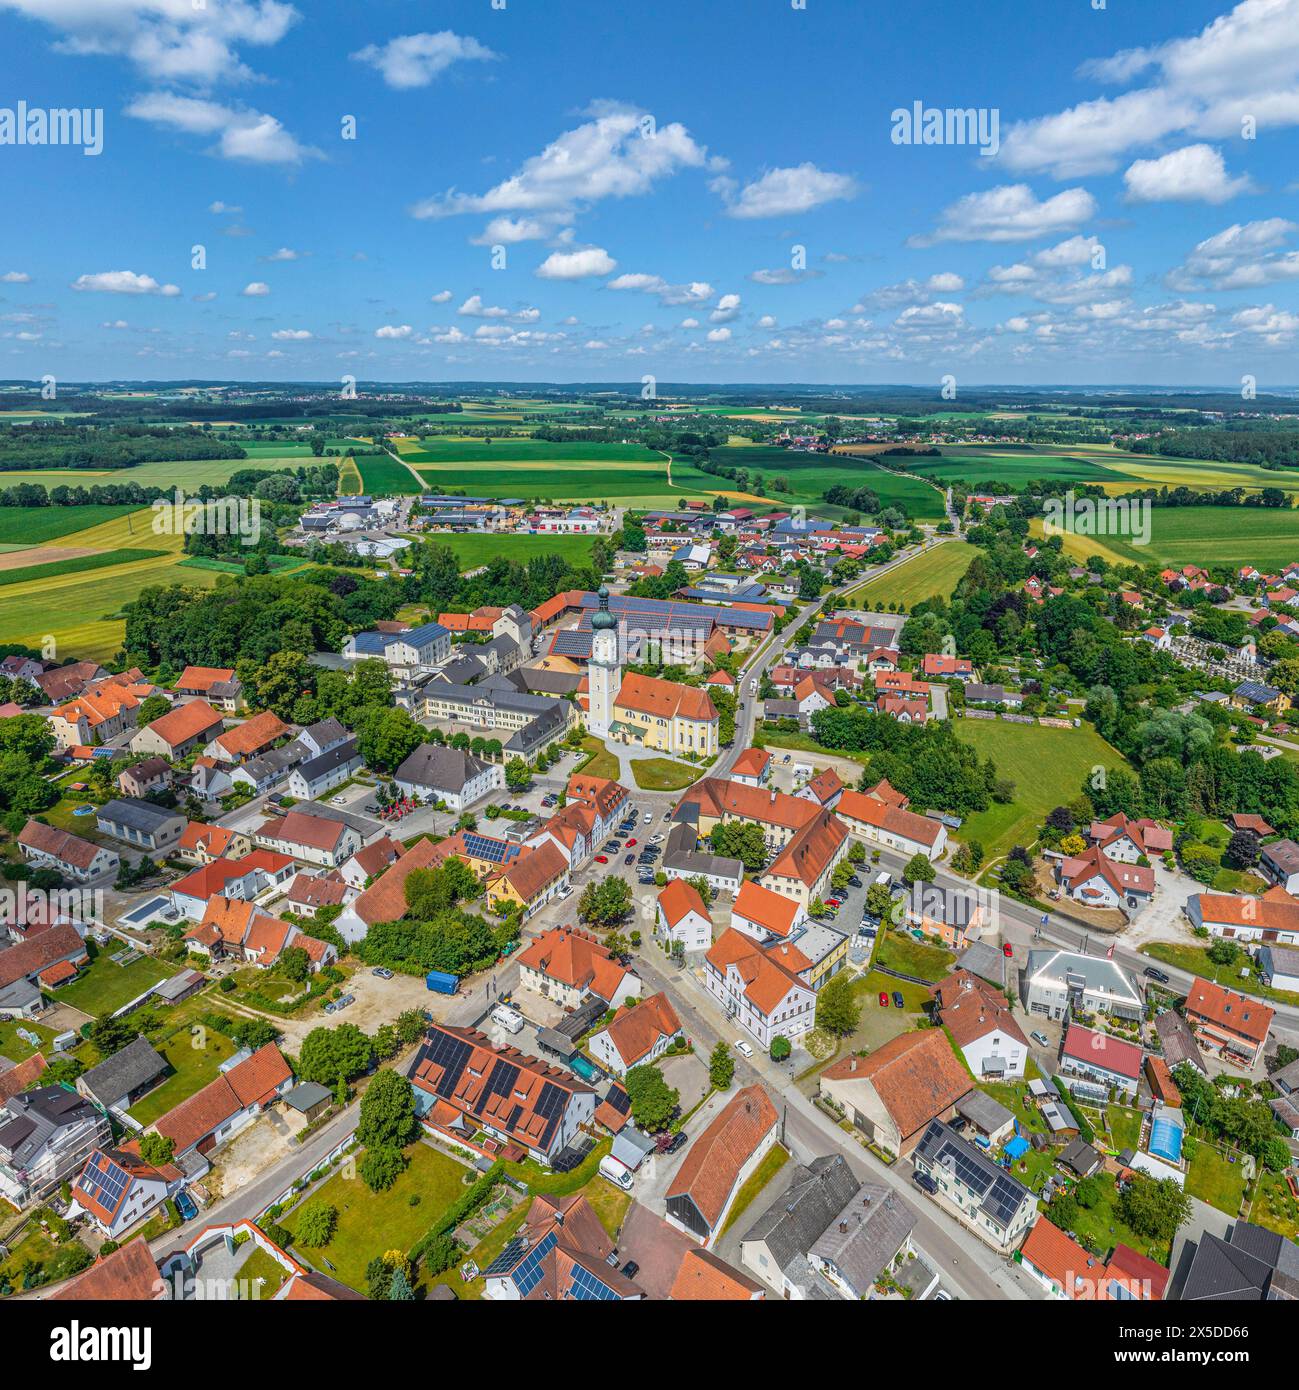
{"x": 898, "y": 1001}
{"x": 1151, "y": 973}
{"x": 924, "y": 1182}
{"x": 679, "y": 1141}
{"x": 854, "y": 882}
{"x": 631, "y": 1269}
{"x": 629, "y": 859}
{"x": 884, "y": 999}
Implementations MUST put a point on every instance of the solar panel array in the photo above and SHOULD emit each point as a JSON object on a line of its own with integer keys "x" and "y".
{"x": 588, "y": 1287}
{"x": 451, "y": 1054}
{"x": 528, "y": 1275}
{"x": 550, "y": 1106}
{"x": 1001, "y": 1195}
{"x": 484, "y": 847}
{"x": 105, "y": 1182}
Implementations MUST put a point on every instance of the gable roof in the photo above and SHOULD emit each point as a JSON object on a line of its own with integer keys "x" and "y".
{"x": 1061, "y": 1259}
{"x": 664, "y": 699}
{"x": 575, "y": 959}
{"x": 1102, "y": 1050}
{"x": 791, "y": 1225}
{"x": 766, "y": 981}
{"x": 711, "y": 1168}
{"x": 1250, "y": 1018}
{"x": 703, "y": 1276}
{"x": 772, "y": 911}
{"x": 917, "y": 1077}
{"x": 635, "y": 1029}
{"x": 129, "y": 1275}
{"x": 58, "y": 844}
{"x": 251, "y": 1082}
{"x": 132, "y": 1066}
{"x": 185, "y": 722}
{"x": 875, "y": 809}
{"x": 678, "y": 899}
{"x": 30, "y": 957}
{"x": 385, "y": 899}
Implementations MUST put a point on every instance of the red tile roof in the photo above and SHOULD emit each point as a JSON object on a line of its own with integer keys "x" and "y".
{"x": 703, "y": 1276}
{"x": 678, "y": 899}
{"x": 711, "y": 1168}
{"x": 1102, "y": 1050}
{"x": 574, "y": 959}
{"x": 1062, "y": 1260}
{"x": 186, "y": 722}
{"x": 772, "y": 911}
{"x": 254, "y": 1081}
{"x": 635, "y": 1030}
{"x": 128, "y": 1275}
{"x": 917, "y": 1077}
{"x": 1249, "y": 1018}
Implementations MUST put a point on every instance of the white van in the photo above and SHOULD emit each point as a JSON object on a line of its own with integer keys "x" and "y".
{"x": 617, "y": 1173}
{"x": 509, "y": 1019}
{"x": 884, "y": 880}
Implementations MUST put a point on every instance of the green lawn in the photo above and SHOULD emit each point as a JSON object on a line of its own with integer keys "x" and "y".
{"x": 601, "y": 763}
{"x": 385, "y": 477}
{"x": 899, "y": 950}
{"x": 1125, "y": 1127}
{"x": 1101, "y": 1228}
{"x": 664, "y": 775}
{"x": 1275, "y": 1207}
{"x": 1211, "y": 1178}
{"x": 14, "y": 1047}
{"x": 1011, "y": 1094}
{"x": 371, "y": 1222}
{"x": 262, "y": 1273}
{"x": 1048, "y": 767}
{"x": 934, "y": 573}
{"x": 195, "y": 1060}
{"x": 772, "y": 1162}
{"x": 103, "y": 987}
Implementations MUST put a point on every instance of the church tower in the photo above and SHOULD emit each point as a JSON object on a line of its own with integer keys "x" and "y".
{"x": 604, "y": 674}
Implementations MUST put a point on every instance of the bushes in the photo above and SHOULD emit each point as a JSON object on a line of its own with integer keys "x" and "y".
{"x": 437, "y": 1250}
{"x": 1085, "y": 1132}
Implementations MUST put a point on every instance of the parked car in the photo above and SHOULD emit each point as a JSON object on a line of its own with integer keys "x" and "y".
{"x": 629, "y": 859}
{"x": 1040, "y": 1039}
{"x": 1006, "y": 949}
{"x": 601, "y": 858}
{"x": 743, "y": 1047}
{"x": 854, "y": 882}
{"x": 631, "y": 842}
{"x": 898, "y": 1001}
{"x": 884, "y": 999}
{"x": 381, "y": 972}
{"x": 1153, "y": 973}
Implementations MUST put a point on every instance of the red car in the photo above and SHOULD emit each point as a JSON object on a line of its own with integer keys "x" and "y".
{"x": 630, "y": 843}
{"x": 601, "y": 858}
{"x": 884, "y": 1000}
{"x": 1006, "y": 951}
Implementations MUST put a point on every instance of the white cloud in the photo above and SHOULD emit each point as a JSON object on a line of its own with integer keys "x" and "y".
{"x": 15, "y": 277}
{"x": 728, "y": 308}
{"x": 227, "y": 208}
{"x": 689, "y": 323}
{"x": 115, "y": 324}
{"x": 394, "y": 330}
{"x": 766, "y": 322}
{"x": 1243, "y": 256}
{"x": 414, "y": 60}
{"x": 171, "y": 40}
{"x": 1196, "y": 174}
{"x": 256, "y": 289}
{"x": 245, "y": 135}
{"x": 474, "y": 308}
{"x": 1243, "y": 63}
{"x": 945, "y": 282}
{"x": 123, "y": 282}
{"x": 291, "y": 335}
{"x": 613, "y": 155}
{"x": 510, "y": 231}
{"x": 576, "y": 265}
{"x": 785, "y": 192}
{"x": 783, "y": 275}
{"x": 285, "y": 253}
{"x": 1010, "y": 213}
{"x": 719, "y": 335}
{"x": 671, "y": 296}
{"x": 441, "y": 297}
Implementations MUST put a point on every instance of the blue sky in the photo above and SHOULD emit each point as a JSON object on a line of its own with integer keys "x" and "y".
{"x": 568, "y": 190}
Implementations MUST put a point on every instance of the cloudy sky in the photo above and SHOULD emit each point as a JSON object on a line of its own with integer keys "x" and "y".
{"x": 568, "y": 190}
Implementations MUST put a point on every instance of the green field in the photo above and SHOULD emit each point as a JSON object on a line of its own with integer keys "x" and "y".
{"x": 474, "y": 550}
{"x": 1048, "y": 767}
{"x": 40, "y": 525}
{"x": 1229, "y": 536}
{"x": 811, "y": 475}
{"x": 385, "y": 477}
{"x": 540, "y": 469}
{"x": 933, "y": 573}
{"x": 104, "y": 559}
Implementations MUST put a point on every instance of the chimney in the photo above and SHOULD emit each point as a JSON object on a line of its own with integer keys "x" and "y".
{"x": 852, "y": 1064}
{"x": 843, "y": 1228}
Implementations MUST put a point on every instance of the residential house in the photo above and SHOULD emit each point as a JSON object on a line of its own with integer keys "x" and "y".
{"x": 702, "y": 1278}
{"x": 312, "y": 839}
{"x": 759, "y": 987}
{"x": 982, "y": 1026}
{"x": 119, "y": 1081}
{"x": 637, "y": 1034}
{"x": 776, "y": 1246}
{"x": 117, "y": 1189}
{"x": 179, "y": 731}
{"x": 417, "y": 649}
{"x": 48, "y": 959}
{"x": 1102, "y": 1064}
{"x": 434, "y": 772}
{"x": 1279, "y": 862}
{"x": 1272, "y": 919}
{"x": 752, "y": 767}
{"x": 892, "y": 1095}
{"x": 536, "y": 876}
{"x": 248, "y": 1083}
{"x": 1095, "y": 880}
{"x": 682, "y": 858}
{"x": 979, "y": 694}
{"x": 938, "y": 667}
{"x": 203, "y": 844}
{"x": 982, "y": 1194}
{"x": 98, "y": 715}
{"x": 1178, "y": 1041}
{"x": 1251, "y": 1265}
{"x": 241, "y": 742}
{"x": 877, "y": 821}
{"x": 141, "y": 824}
{"x": 718, "y": 1163}
{"x": 562, "y": 1253}
{"x": 385, "y": 899}
{"x": 76, "y": 859}
{"x": 681, "y": 917}
{"x": 566, "y": 965}
{"x": 1234, "y": 1026}
{"x": 1057, "y": 982}
{"x": 149, "y": 775}
{"x": 371, "y": 860}
{"x": 765, "y": 915}
{"x": 1127, "y": 841}
{"x": 46, "y": 1135}
{"x": 319, "y": 774}
{"x": 218, "y": 685}
{"x": 464, "y": 1085}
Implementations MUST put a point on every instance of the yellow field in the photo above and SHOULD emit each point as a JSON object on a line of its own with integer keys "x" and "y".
{"x": 1079, "y": 547}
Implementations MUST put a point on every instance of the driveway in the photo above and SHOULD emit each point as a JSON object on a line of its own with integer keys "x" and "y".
{"x": 1163, "y": 918}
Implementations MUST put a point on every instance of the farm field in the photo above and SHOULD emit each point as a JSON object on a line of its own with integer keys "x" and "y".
{"x": 934, "y": 572}
{"x": 81, "y": 611}
{"x": 73, "y": 564}
{"x": 626, "y": 473}
{"x": 1230, "y": 536}
{"x": 385, "y": 477}
{"x": 35, "y": 525}
{"x": 475, "y": 550}
{"x": 1048, "y": 767}
{"x": 810, "y": 475}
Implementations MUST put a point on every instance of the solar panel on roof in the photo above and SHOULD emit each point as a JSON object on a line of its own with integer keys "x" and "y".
{"x": 451, "y": 1054}
{"x": 528, "y": 1274}
{"x": 619, "y": 1099}
{"x": 588, "y": 1287}
{"x": 105, "y": 1182}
